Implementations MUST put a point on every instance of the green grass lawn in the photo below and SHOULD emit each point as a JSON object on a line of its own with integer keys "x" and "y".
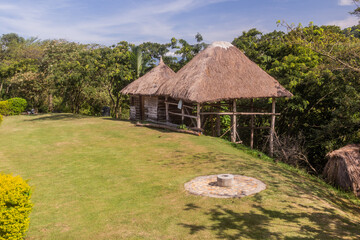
{"x": 96, "y": 178}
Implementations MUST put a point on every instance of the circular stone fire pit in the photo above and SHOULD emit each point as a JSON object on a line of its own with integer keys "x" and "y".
{"x": 224, "y": 186}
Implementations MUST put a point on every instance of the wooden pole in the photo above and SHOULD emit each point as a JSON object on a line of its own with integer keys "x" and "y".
{"x": 233, "y": 128}
{"x": 218, "y": 130}
{"x": 272, "y": 128}
{"x": 167, "y": 109}
{"x": 198, "y": 119}
{"x": 252, "y": 126}
{"x": 239, "y": 113}
{"x": 182, "y": 115}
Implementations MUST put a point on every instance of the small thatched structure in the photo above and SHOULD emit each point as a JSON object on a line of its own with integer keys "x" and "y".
{"x": 343, "y": 168}
{"x": 222, "y": 72}
{"x": 145, "y": 104}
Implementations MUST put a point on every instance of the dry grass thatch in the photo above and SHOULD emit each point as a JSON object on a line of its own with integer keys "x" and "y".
{"x": 221, "y": 72}
{"x": 150, "y": 82}
{"x": 343, "y": 168}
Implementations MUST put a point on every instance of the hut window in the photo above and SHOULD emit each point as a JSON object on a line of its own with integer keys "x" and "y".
{"x": 132, "y": 101}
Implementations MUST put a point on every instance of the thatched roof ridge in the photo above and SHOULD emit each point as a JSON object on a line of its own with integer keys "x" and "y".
{"x": 221, "y": 72}
{"x": 150, "y": 82}
{"x": 343, "y": 168}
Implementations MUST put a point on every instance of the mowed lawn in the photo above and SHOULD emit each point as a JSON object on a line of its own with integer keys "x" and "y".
{"x": 96, "y": 178}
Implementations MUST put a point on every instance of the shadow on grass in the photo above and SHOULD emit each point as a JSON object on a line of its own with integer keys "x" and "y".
{"x": 116, "y": 119}
{"x": 191, "y": 206}
{"x": 321, "y": 223}
{"x": 55, "y": 117}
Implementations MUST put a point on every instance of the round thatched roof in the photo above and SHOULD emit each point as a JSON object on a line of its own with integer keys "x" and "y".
{"x": 150, "y": 82}
{"x": 221, "y": 72}
{"x": 343, "y": 168}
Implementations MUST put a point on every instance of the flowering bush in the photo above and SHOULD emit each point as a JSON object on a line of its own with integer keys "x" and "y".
{"x": 15, "y": 207}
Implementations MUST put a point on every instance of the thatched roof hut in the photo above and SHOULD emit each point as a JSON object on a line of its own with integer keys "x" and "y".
{"x": 151, "y": 81}
{"x": 216, "y": 77}
{"x": 144, "y": 103}
{"x": 343, "y": 168}
{"x": 221, "y": 72}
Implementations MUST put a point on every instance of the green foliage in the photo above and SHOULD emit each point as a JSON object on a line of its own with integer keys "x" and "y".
{"x": 1, "y": 118}
{"x": 17, "y": 105}
{"x": 4, "y": 108}
{"x": 15, "y": 207}
{"x": 185, "y": 50}
{"x": 182, "y": 126}
{"x": 319, "y": 66}
{"x": 13, "y": 106}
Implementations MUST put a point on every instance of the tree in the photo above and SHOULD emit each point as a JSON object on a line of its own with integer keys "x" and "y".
{"x": 136, "y": 59}
{"x": 325, "y": 105}
{"x": 356, "y": 11}
{"x": 114, "y": 66}
{"x": 185, "y": 50}
{"x": 17, "y": 56}
{"x": 343, "y": 51}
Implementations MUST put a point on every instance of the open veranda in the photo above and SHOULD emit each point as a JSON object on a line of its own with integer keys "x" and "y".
{"x": 97, "y": 178}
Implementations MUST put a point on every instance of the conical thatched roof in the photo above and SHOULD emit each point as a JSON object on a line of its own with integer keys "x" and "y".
{"x": 221, "y": 72}
{"x": 150, "y": 82}
{"x": 343, "y": 168}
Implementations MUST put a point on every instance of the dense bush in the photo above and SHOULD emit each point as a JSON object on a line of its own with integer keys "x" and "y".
{"x": 4, "y": 108}
{"x": 1, "y": 118}
{"x": 15, "y": 206}
{"x": 17, "y": 105}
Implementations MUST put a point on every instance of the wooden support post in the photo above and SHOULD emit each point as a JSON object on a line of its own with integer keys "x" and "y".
{"x": 272, "y": 128}
{"x": 233, "y": 127}
{"x": 167, "y": 109}
{"x": 198, "y": 119}
{"x": 218, "y": 123}
{"x": 252, "y": 125}
{"x": 212, "y": 125}
{"x": 182, "y": 115}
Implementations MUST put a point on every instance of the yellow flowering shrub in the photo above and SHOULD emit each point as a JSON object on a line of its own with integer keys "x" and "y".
{"x": 4, "y": 108}
{"x": 15, "y": 207}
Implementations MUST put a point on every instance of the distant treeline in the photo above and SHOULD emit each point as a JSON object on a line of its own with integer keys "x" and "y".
{"x": 319, "y": 65}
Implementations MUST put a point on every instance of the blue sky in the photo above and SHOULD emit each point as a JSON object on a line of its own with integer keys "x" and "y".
{"x": 110, "y": 21}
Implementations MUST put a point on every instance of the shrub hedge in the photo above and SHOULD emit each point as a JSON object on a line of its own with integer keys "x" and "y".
{"x": 13, "y": 106}
{"x": 4, "y": 108}
{"x": 17, "y": 105}
{"x": 15, "y": 207}
{"x": 1, "y": 118}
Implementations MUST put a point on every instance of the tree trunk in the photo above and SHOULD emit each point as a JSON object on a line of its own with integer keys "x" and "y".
{"x": 117, "y": 107}
{"x": 1, "y": 87}
{"x": 50, "y": 102}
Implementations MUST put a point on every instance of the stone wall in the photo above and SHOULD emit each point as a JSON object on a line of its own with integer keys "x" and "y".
{"x": 151, "y": 107}
{"x": 135, "y": 114}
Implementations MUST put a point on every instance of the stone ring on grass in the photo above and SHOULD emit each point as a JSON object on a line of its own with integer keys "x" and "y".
{"x": 224, "y": 186}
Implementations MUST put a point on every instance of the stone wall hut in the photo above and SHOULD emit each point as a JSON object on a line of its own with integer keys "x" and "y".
{"x": 145, "y": 104}
{"x": 220, "y": 74}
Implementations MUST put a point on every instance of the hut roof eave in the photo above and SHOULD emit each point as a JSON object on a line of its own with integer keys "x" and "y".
{"x": 223, "y": 99}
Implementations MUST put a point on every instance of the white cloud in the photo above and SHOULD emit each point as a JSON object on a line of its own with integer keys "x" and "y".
{"x": 6, "y": 7}
{"x": 149, "y": 21}
{"x": 347, "y": 22}
{"x": 172, "y": 54}
{"x": 345, "y": 2}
